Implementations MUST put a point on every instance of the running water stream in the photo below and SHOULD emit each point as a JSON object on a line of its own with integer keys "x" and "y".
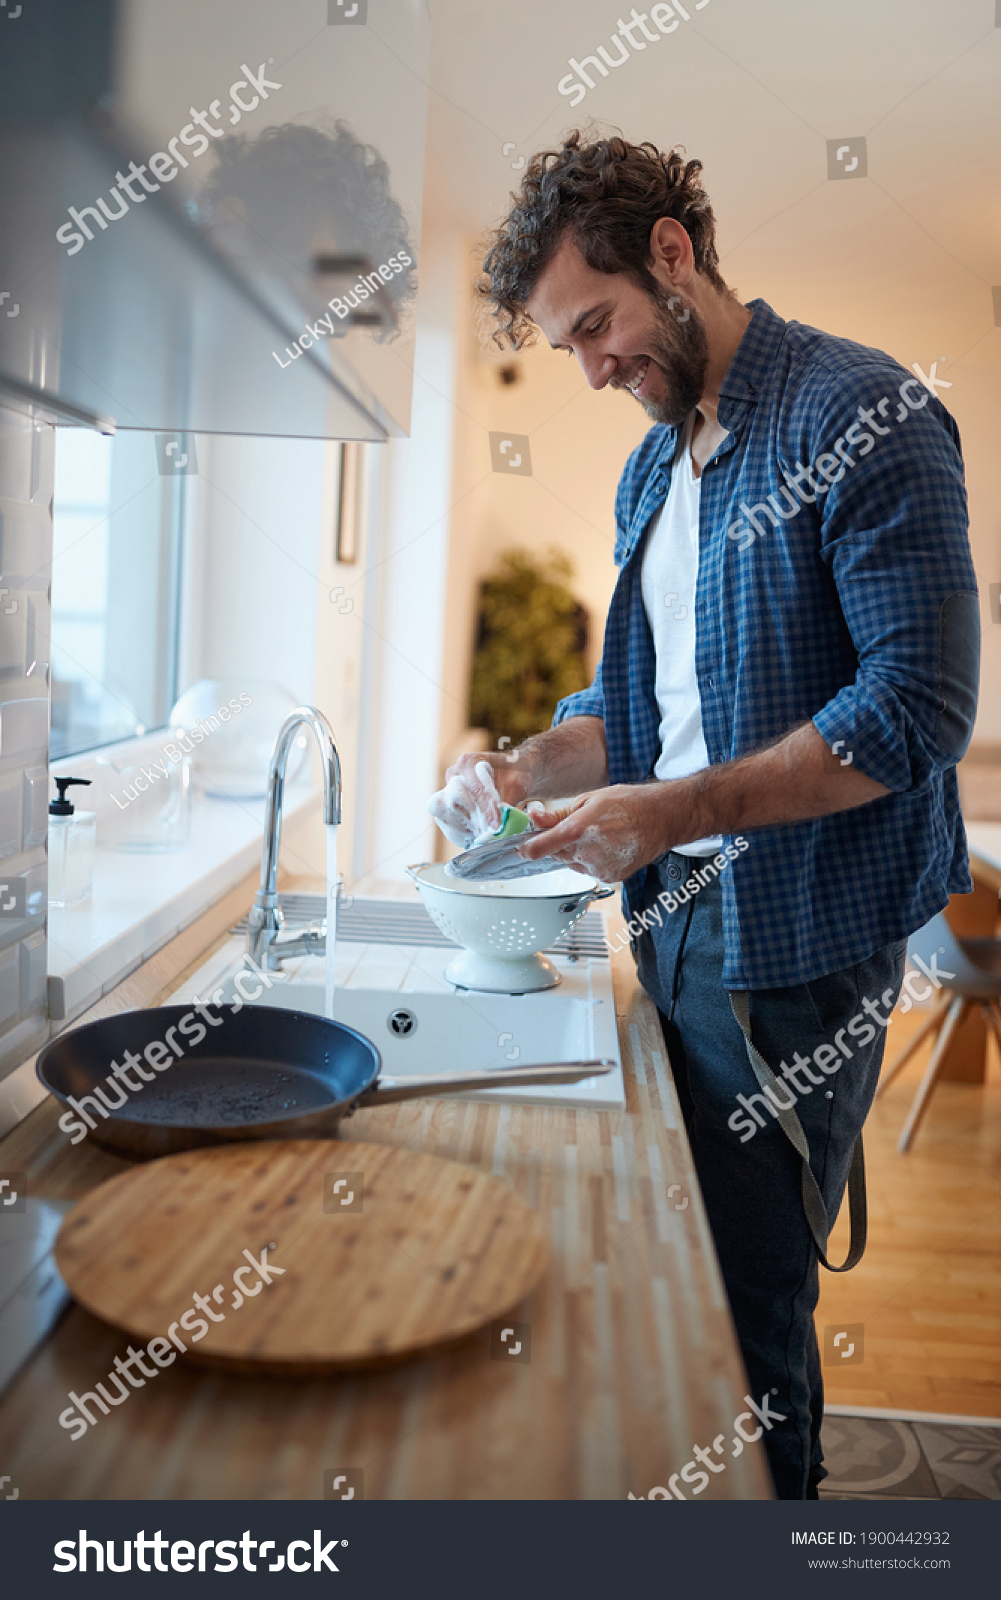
{"x": 328, "y": 1009}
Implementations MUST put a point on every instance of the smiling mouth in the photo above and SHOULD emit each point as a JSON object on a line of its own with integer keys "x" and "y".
{"x": 639, "y": 380}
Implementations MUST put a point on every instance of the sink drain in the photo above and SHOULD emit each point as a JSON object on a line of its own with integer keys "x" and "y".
{"x": 402, "y": 1023}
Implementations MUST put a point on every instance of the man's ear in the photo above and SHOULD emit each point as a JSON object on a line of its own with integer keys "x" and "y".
{"x": 671, "y": 249}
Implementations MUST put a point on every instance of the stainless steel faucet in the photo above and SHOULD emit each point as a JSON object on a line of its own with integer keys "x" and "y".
{"x": 269, "y": 942}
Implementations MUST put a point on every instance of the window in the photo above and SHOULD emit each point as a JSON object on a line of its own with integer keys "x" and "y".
{"x": 115, "y": 590}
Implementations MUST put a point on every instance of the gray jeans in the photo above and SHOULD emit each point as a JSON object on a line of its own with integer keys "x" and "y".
{"x": 749, "y": 1173}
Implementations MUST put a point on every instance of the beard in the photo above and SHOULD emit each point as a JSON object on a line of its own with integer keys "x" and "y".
{"x": 680, "y": 350}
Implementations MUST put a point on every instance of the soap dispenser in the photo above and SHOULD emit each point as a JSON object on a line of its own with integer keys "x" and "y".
{"x": 72, "y": 837}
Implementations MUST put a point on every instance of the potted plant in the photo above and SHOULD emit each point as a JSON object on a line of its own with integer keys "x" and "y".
{"x": 531, "y": 640}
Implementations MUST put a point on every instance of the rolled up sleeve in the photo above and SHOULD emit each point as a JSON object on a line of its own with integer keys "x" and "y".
{"x": 894, "y": 535}
{"x": 585, "y": 703}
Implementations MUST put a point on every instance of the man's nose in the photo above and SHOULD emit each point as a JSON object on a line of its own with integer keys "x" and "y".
{"x": 597, "y": 368}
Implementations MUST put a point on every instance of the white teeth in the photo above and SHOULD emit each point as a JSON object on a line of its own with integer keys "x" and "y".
{"x": 637, "y": 381}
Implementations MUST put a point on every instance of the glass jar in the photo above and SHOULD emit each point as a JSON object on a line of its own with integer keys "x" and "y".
{"x": 150, "y": 807}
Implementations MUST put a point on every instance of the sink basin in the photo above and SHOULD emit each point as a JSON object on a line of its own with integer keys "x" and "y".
{"x": 398, "y": 998}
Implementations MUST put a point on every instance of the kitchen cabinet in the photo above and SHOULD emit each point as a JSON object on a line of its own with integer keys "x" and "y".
{"x": 180, "y": 215}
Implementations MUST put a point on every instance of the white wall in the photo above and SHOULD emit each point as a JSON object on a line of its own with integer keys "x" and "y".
{"x": 254, "y": 548}
{"x": 405, "y": 688}
{"x": 258, "y": 567}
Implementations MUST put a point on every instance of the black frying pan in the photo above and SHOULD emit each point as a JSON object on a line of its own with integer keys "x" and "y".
{"x": 263, "y": 1073}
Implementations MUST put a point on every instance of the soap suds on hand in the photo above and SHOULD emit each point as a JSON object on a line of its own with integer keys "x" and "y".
{"x": 485, "y": 772}
{"x": 460, "y": 809}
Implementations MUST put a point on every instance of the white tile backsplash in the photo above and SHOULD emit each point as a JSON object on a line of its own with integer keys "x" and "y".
{"x": 24, "y": 727}
{"x": 9, "y": 993}
{"x": 36, "y": 805}
{"x": 26, "y": 460}
{"x": 10, "y": 813}
{"x": 32, "y": 972}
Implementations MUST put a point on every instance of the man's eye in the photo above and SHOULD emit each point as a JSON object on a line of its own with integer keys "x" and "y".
{"x": 599, "y": 327}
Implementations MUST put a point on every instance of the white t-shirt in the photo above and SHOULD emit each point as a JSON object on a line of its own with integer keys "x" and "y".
{"x": 668, "y": 578}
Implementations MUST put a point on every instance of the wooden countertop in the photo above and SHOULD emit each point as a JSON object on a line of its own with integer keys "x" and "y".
{"x": 633, "y": 1356}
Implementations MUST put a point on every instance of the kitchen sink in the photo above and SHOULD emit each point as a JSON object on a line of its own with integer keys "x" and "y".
{"x": 397, "y": 996}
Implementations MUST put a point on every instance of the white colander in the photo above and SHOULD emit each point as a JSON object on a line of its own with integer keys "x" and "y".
{"x": 502, "y": 926}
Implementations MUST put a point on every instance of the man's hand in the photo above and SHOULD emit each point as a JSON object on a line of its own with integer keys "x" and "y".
{"x": 508, "y": 772}
{"x": 476, "y": 789}
{"x": 620, "y": 829}
{"x": 611, "y": 834}
{"x": 566, "y": 760}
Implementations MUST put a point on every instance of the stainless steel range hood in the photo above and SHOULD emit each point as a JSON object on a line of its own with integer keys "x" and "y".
{"x": 248, "y": 278}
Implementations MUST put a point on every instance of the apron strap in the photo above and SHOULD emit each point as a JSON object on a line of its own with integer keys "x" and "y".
{"x": 813, "y": 1200}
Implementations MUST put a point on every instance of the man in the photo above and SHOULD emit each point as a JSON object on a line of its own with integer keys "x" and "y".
{"x": 767, "y": 754}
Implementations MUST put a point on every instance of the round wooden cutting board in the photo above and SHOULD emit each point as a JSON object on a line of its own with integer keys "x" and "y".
{"x": 382, "y": 1252}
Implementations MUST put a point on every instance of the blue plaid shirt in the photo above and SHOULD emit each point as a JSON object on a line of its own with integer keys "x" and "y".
{"x": 844, "y": 594}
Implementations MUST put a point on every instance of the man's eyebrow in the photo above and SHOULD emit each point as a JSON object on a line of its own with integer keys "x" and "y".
{"x": 584, "y": 315}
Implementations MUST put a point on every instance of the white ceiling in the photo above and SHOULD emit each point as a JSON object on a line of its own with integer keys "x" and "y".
{"x": 755, "y": 90}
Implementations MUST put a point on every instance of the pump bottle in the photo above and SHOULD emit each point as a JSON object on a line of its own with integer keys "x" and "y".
{"x": 72, "y": 839}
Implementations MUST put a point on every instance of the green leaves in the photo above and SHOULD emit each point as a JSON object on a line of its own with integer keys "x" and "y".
{"x": 530, "y": 645}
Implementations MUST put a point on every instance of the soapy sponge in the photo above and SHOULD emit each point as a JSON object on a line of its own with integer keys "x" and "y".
{"x": 496, "y": 855}
{"x": 512, "y": 821}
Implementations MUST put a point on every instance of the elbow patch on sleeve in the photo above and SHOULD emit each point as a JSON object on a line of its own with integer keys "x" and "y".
{"x": 958, "y": 670}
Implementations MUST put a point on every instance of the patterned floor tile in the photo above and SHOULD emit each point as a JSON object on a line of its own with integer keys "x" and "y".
{"x": 869, "y": 1457}
{"x": 965, "y": 1461}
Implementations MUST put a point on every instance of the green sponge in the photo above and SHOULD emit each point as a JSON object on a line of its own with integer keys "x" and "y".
{"x": 512, "y": 821}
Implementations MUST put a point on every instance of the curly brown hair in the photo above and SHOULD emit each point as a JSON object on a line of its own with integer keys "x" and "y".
{"x": 606, "y": 193}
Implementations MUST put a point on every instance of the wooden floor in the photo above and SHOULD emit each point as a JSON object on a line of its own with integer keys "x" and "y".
{"x": 928, "y": 1289}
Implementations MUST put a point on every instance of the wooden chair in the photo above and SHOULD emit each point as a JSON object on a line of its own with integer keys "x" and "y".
{"x": 975, "y": 968}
